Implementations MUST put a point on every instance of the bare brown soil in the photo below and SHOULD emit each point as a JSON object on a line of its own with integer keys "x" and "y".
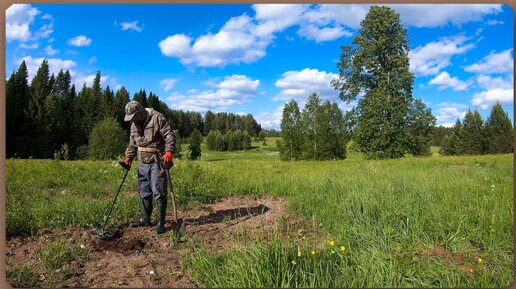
{"x": 139, "y": 258}
{"x": 438, "y": 252}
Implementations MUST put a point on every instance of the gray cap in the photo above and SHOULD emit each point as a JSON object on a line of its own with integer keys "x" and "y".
{"x": 131, "y": 109}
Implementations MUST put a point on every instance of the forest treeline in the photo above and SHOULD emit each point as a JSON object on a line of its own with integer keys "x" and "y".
{"x": 49, "y": 115}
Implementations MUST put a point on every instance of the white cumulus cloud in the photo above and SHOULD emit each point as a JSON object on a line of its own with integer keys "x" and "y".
{"x": 494, "y": 63}
{"x": 323, "y": 34}
{"x": 234, "y": 90}
{"x": 450, "y": 113}
{"x": 168, "y": 83}
{"x": 131, "y": 25}
{"x": 438, "y": 15}
{"x": 444, "y": 80}
{"x": 431, "y": 58}
{"x": 80, "y": 40}
{"x": 54, "y": 65}
{"x": 270, "y": 120}
{"x": 29, "y": 46}
{"x": 486, "y": 99}
{"x": 50, "y": 51}
{"x": 489, "y": 82}
{"x": 300, "y": 84}
{"x": 18, "y": 17}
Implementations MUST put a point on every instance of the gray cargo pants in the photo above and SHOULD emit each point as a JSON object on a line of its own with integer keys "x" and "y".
{"x": 151, "y": 181}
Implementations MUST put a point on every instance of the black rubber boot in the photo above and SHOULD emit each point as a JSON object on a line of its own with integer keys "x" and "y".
{"x": 146, "y": 210}
{"x": 162, "y": 209}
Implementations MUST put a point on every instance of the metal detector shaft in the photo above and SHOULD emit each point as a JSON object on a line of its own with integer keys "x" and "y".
{"x": 114, "y": 201}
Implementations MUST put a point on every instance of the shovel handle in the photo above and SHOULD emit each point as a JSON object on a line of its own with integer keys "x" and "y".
{"x": 173, "y": 194}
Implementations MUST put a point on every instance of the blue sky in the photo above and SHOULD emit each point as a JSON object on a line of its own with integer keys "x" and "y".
{"x": 253, "y": 58}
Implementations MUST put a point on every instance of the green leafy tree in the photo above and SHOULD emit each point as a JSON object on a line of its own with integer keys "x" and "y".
{"x": 474, "y": 138}
{"x": 310, "y": 120}
{"x": 107, "y": 140}
{"x": 499, "y": 131}
{"x": 421, "y": 128}
{"x": 195, "y": 145}
{"x": 290, "y": 146}
{"x": 377, "y": 67}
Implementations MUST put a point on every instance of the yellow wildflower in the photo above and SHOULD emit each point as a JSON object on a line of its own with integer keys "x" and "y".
{"x": 294, "y": 262}
{"x": 333, "y": 252}
{"x": 313, "y": 252}
{"x": 471, "y": 270}
{"x": 331, "y": 242}
{"x": 299, "y": 253}
{"x": 303, "y": 238}
{"x": 342, "y": 248}
{"x": 480, "y": 260}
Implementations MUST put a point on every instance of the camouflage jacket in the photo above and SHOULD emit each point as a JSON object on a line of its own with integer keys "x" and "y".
{"x": 155, "y": 132}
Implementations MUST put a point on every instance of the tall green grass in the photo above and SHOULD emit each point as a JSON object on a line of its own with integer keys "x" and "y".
{"x": 383, "y": 211}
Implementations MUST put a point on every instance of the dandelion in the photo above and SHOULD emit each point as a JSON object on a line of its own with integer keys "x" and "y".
{"x": 299, "y": 253}
{"x": 313, "y": 252}
{"x": 342, "y": 248}
{"x": 333, "y": 252}
{"x": 331, "y": 242}
{"x": 294, "y": 262}
{"x": 480, "y": 260}
{"x": 471, "y": 270}
{"x": 303, "y": 238}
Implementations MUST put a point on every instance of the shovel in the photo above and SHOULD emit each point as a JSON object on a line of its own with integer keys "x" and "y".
{"x": 177, "y": 225}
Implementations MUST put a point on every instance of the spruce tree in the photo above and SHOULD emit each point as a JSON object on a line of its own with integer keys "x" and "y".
{"x": 120, "y": 101}
{"x": 473, "y": 133}
{"x": 18, "y": 121}
{"x": 453, "y": 143}
{"x": 208, "y": 122}
{"x": 195, "y": 145}
{"x": 39, "y": 89}
{"x": 421, "y": 128}
{"x": 499, "y": 131}
{"x": 377, "y": 65}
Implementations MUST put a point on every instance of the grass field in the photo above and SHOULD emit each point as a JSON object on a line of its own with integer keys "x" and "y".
{"x": 390, "y": 215}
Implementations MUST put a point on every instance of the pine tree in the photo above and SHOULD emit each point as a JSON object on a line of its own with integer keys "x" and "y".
{"x": 195, "y": 145}
{"x": 377, "y": 65}
{"x": 153, "y": 102}
{"x": 499, "y": 131}
{"x": 473, "y": 133}
{"x": 106, "y": 104}
{"x": 421, "y": 128}
{"x": 291, "y": 127}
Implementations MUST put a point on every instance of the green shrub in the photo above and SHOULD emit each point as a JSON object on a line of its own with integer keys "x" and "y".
{"x": 107, "y": 140}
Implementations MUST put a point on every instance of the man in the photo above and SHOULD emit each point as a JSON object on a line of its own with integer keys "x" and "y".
{"x": 153, "y": 141}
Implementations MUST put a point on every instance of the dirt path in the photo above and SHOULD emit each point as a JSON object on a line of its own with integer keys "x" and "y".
{"x": 140, "y": 258}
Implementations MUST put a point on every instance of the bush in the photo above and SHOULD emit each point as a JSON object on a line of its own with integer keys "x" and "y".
{"x": 107, "y": 140}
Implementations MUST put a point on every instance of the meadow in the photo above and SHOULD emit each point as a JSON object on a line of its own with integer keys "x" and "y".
{"x": 391, "y": 216}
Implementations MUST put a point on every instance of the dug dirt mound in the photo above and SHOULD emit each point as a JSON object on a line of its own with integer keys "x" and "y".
{"x": 138, "y": 257}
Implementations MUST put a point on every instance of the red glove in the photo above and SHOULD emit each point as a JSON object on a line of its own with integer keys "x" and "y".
{"x": 128, "y": 161}
{"x": 167, "y": 157}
